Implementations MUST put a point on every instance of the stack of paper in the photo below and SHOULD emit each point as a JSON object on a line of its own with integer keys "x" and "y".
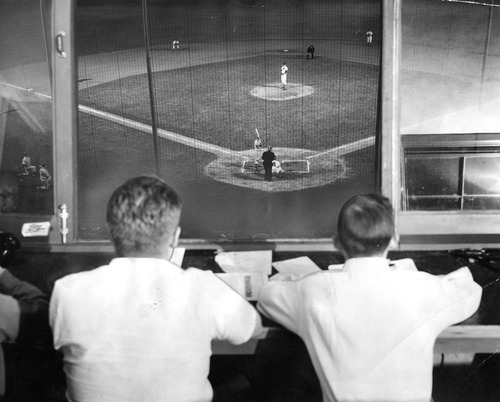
{"x": 245, "y": 261}
{"x": 299, "y": 266}
{"x": 178, "y": 256}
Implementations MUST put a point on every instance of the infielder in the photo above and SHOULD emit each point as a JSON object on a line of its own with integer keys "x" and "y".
{"x": 284, "y": 72}
{"x": 369, "y": 37}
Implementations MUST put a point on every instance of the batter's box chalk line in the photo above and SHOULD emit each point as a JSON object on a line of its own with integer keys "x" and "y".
{"x": 249, "y": 166}
{"x": 296, "y": 166}
{"x": 288, "y": 166}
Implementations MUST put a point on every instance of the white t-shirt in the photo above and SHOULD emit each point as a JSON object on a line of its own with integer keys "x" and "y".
{"x": 140, "y": 329}
{"x": 370, "y": 329}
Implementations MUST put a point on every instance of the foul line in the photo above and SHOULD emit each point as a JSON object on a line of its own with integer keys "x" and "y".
{"x": 347, "y": 148}
{"x": 190, "y": 142}
{"x": 169, "y": 135}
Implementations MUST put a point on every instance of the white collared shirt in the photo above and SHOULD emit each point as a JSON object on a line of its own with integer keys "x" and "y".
{"x": 370, "y": 329}
{"x": 140, "y": 329}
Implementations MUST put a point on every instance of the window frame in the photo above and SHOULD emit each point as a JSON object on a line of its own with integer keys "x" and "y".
{"x": 417, "y": 229}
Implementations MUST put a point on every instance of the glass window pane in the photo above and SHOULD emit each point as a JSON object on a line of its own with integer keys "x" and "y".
{"x": 450, "y": 86}
{"x": 432, "y": 175}
{"x": 482, "y": 175}
{"x": 25, "y": 108}
{"x": 209, "y": 75}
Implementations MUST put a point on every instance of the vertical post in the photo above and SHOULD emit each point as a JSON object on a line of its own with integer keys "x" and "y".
{"x": 390, "y": 137}
{"x": 64, "y": 117}
{"x": 151, "y": 89}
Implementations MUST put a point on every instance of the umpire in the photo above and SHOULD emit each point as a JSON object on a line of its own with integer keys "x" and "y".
{"x": 267, "y": 158}
{"x": 310, "y": 51}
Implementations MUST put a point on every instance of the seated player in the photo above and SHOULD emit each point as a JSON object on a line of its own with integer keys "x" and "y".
{"x": 45, "y": 178}
{"x": 370, "y": 328}
{"x": 277, "y": 169}
{"x": 140, "y": 328}
{"x": 27, "y": 166}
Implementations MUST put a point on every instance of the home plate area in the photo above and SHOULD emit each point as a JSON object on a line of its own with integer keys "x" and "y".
{"x": 282, "y": 168}
{"x": 298, "y": 169}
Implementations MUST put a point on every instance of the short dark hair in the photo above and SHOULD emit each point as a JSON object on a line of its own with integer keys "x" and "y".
{"x": 142, "y": 214}
{"x": 365, "y": 225}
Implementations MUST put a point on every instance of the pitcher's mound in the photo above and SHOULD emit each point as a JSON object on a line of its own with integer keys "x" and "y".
{"x": 276, "y": 92}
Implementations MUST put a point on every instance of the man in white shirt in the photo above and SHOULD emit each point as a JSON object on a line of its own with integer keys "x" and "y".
{"x": 140, "y": 328}
{"x": 370, "y": 328}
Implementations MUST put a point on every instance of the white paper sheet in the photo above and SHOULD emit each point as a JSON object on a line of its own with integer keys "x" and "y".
{"x": 336, "y": 267}
{"x": 246, "y": 284}
{"x": 299, "y": 266}
{"x": 245, "y": 261}
{"x": 178, "y": 256}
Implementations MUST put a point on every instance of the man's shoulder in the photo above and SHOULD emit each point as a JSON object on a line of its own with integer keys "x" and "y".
{"x": 81, "y": 279}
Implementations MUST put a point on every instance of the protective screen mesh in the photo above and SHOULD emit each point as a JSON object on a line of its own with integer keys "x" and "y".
{"x": 209, "y": 74}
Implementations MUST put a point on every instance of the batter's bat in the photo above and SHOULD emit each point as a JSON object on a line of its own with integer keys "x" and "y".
{"x": 257, "y": 131}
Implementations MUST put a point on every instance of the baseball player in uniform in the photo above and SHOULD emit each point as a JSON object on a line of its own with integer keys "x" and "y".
{"x": 27, "y": 166}
{"x": 369, "y": 37}
{"x": 45, "y": 178}
{"x": 310, "y": 52}
{"x": 257, "y": 145}
{"x": 277, "y": 169}
{"x": 175, "y": 44}
{"x": 284, "y": 72}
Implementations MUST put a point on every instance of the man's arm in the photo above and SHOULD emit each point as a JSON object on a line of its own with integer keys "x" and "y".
{"x": 236, "y": 319}
{"x": 460, "y": 297}
{"x": 33, "y": 306}
{"x": 279, "y": 300}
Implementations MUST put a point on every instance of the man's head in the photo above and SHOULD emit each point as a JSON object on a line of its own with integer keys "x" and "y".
{"x": 269, "y": 148}
{"x": 365, "y": 226}
{"x": 143, "y": 218}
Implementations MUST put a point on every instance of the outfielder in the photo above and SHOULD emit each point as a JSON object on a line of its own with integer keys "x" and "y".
{"x": 175, "y": 44}
{"x": 284, "y": 72}
{"x": 369, "y": 37}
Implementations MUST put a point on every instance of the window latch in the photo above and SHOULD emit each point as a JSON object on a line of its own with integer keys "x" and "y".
{"x": 60, "y": 44}
{"x": 64, "y": 222}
